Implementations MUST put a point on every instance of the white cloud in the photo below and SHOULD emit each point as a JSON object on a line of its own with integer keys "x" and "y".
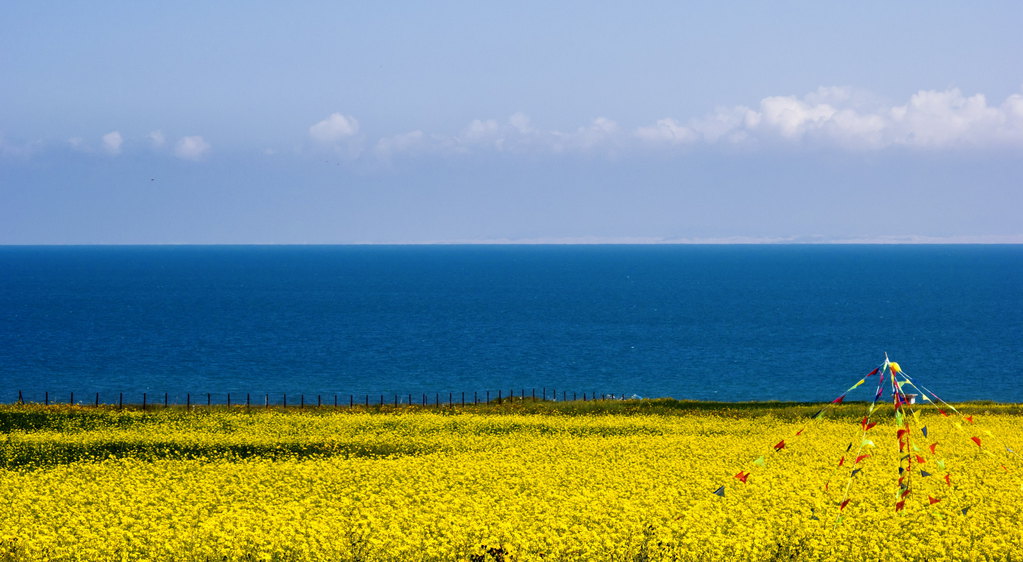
{"x": 601, "y": 131}
{"x": 112, "y": 142}
{"x": 667, "y": 131}
{"x": 404, "y": 142}
{"x": 853, "y": 120}
{"x": 515, "y": 134}
{"x": 157, "y": 139}
{"x": 192, "y": 148}
{"x": 334, "y": 128}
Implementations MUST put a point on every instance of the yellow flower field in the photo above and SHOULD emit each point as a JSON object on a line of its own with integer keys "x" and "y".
{"x": 459, "y": 485}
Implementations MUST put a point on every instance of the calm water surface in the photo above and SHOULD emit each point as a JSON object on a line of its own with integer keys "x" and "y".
{"x": 704, "y": 322}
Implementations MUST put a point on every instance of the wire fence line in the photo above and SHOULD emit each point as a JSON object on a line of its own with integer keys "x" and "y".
{"x": 266, "y": 400}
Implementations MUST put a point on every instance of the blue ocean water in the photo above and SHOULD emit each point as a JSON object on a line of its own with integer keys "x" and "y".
{"x": 786, "y": 322}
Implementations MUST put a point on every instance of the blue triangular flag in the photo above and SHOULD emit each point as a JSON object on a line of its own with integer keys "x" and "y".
{"x": 855, "y": 471}
{"x": 924, "y": 430}
{"x": 924, "y": 473}
{"x": 720, "y": 491}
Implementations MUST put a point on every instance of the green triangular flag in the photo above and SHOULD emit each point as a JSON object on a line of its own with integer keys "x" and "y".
{"x": 759, "y": 462}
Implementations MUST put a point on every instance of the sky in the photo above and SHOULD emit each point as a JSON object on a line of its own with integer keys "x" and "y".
{"x": 529, "y": 122}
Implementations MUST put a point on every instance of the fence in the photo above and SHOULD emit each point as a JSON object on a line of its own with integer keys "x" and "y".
{"x": 280, "y": 400}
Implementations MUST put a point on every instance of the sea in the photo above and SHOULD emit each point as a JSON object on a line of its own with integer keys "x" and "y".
{"x": 356, "y": 323}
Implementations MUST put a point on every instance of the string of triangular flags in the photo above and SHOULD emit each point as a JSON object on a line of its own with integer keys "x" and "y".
{"x": 917, "y": 447}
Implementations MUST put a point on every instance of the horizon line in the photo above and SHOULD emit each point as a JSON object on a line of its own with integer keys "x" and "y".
{"x": 998, "y": 240}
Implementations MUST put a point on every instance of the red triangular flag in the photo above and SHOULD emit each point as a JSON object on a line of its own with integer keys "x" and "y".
{"x": 969, "y": 419}
{"x": 861, "y": 457}
{"x": 874, "y": 372}
{"x": 900, "y": 433}
{"x": 800, "y": 431}
{"x": 933, "y": 500}
{"x": 943, "y": 412}
{"x": 843, "y": 504}
{"x": 900, "y": 505}
{"x": 838, "y": 400}
{"x": 780, "y": 445}
{"x": 742, "y": 476}
{"x": 841, "y": 461}
{"x": 976, "y": 440}
{"x": 920, "y": 459}
{"x": 948, "y": 480}
{"x": 933, "y": 445}
{"x": 905, "y": 493}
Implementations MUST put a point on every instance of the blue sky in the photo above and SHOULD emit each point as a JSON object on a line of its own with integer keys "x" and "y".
{"x": 256, "y": 122}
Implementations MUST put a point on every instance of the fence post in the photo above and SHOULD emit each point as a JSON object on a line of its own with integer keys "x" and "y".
{"x": 46, "y": 399}
{"x": 188, "y": 402}
{"x": 248, "y": 401}
{"x": 544, "y": 394}
{"x": 72, "y": 401}
{"x": 266, "y": 401}
{"x": 436, "y": 400}
{"x": 475, "y": 398}
{"x": 97, "y": 400}
{"x": 555, "y": 397}
{"x": 499, "y": 397}
{"x": 367, "y": 400}
{"x": 424, "y": 399}
{"x": 335, "y": 401}
{"x": 318, "y": 403}
{"x": 209, "y": 399}
{"x": 143, "y": 401}
{"x": 450, "y": 401}
{"x": 228, "y": 399}
{"x": 584, "y": 397}
{"x": 463, "y": 399}
{"x": 21, "y": 399}
{"x": 395, "y": 400}
{"x": 351, "y": 401}
{"x": 564, "y": 395}
{"x": 166, "y": 399}
{"x": 285, "y": 399}
{"x": 573, "y": 397}
{"x": 120, "y": 400}
{"x": 488, "y": 397}
{"x": 534, "y": 395}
